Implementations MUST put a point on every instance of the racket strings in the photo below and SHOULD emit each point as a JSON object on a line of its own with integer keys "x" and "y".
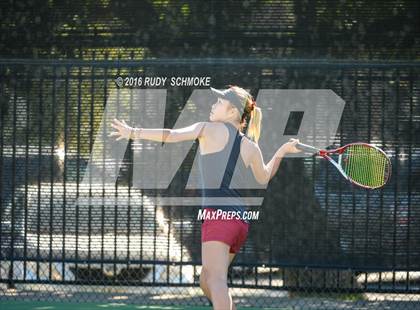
{"x": 366, "y": 165}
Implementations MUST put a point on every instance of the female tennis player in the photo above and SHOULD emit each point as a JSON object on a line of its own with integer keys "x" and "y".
{"x": 219, "y": 138}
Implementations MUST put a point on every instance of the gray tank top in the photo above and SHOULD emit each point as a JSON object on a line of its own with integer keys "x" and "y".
{"x": 209, "y": 163}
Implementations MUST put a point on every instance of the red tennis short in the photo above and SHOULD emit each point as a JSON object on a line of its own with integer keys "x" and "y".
{"x": 233, "y": 232}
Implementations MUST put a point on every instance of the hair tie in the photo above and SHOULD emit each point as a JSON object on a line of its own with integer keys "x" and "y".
{"x": 253, "y": 105}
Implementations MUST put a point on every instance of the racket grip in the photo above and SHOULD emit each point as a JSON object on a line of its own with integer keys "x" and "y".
{"x": 307, "y": 148}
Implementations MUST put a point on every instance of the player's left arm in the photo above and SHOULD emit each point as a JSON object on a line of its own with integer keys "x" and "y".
{"x": 192, "y": 132}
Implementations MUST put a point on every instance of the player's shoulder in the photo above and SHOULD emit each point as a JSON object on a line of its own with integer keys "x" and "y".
{"x": 249, "y": 150}
{"x": 249, "y": 145}
{"x": 211, "y": 129}
{"x": 249, "y": 142}
{"x": 213, "y": 126}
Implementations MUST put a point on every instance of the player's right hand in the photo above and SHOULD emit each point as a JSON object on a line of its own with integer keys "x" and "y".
{"x": 290, "y": 146}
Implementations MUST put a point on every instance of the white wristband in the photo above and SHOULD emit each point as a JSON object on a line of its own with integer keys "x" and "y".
{"x": 135, "y": 133}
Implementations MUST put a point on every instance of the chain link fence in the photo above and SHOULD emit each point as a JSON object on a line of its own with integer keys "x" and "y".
{"x": 319, "y": 242}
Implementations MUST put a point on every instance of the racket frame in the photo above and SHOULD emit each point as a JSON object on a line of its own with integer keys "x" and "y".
{"x": 325, "y": 154}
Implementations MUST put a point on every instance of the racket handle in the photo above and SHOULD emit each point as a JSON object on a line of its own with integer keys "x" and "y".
{"x": 307, "y": 148}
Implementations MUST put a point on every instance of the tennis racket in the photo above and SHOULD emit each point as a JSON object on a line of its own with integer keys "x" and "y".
{"x": 362, "y": 164}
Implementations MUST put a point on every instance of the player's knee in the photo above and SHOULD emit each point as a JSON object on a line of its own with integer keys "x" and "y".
{"x": 203, "y": 279}
{"x": 215, "y": 281}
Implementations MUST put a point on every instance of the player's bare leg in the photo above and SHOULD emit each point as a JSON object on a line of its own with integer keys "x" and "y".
{"x": 216, "y": 260}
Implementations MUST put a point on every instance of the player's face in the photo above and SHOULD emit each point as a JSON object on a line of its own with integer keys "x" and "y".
{"x": 220, "y": 110}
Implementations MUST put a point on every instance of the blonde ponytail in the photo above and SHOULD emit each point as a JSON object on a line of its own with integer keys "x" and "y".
{"x": 250, "y": 110}
{"x": 254, "y": 127}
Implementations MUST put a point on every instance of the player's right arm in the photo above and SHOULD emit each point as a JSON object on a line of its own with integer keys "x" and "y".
{"x": 264, "y": 172}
